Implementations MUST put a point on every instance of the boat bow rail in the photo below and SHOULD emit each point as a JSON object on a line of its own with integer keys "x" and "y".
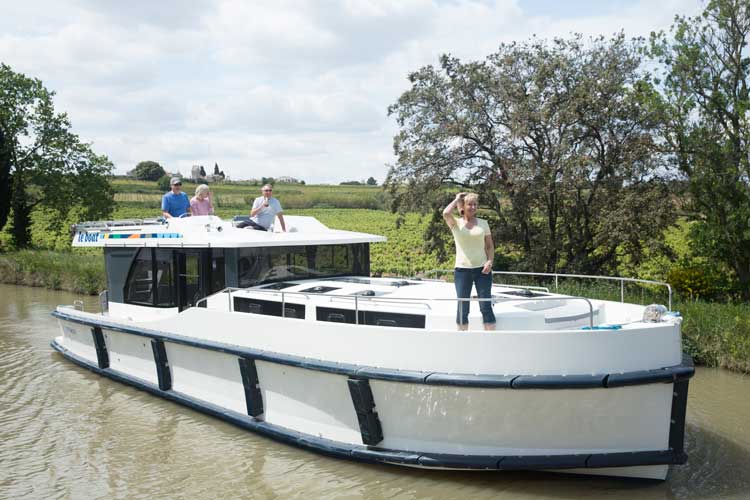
{"x": 557, "y": 276}
{"x": 358, "y": 298}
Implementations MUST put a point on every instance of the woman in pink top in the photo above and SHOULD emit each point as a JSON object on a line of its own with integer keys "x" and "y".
{"x": 200, "y": 204}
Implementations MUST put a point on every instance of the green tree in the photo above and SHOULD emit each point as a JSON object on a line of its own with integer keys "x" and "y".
{"x": 706, "y": 109}
{"x": 42, "y": 163}
{"x": 554, "y": 136}
{"x": 148, "y": 171}
{"x": 371, "y": 181}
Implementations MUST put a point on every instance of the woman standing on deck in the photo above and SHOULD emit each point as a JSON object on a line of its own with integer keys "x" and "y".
{"x": 474, "y": 253}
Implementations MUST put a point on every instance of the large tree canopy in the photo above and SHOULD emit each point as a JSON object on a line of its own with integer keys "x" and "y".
{"x": 150, "y": 171}
{"x": 556, "y": 138}
{"x": 706, "y": 126}
{"x": 42, "y": 163}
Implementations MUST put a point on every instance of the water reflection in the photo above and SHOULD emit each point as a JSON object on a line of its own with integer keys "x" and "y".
{"x": 67, "y": 433}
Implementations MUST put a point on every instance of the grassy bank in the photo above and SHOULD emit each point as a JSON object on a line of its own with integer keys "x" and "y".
{"x": 76, "y": 272}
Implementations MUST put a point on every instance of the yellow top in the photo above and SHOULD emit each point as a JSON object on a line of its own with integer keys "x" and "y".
{"x": 470, "y": 243}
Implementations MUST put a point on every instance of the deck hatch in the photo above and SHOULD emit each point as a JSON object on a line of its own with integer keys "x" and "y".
{"x": 268, "y": 307}
{"x": 364, "y": 406}
{"x": 279, "y": 286}
{"x": 525, "y": 293}
{"x": 102, "y": 357}
{"x": 320, "y": 289}
{"x": 162, "y": 365}
{"x": 251, "y": 384}
{"x": 377, "y": 318}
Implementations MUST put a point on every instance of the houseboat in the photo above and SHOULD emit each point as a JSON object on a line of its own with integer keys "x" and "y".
{"x": 287, "y": 334}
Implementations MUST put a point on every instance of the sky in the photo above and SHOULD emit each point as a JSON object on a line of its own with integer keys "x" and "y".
{"x": 271, "y": 88}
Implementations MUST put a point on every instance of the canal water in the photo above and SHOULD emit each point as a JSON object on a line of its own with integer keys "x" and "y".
{"x": 69, "y": 434}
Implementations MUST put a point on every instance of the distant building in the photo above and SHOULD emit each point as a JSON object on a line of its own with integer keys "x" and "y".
{"x": 198, "y": 174}
{"x": 285, "y": 179}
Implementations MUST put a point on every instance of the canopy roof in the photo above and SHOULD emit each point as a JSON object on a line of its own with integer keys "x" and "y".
{"x": 210, "y": 231}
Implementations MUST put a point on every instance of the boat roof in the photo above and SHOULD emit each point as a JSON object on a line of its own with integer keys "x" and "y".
{"x": 209, "y": 231}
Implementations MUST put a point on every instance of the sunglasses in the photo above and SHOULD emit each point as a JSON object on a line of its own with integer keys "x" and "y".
{"x": 267, "y": 190}
{"x": 177, "y": 184}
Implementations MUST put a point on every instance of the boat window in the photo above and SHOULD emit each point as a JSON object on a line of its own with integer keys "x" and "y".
{"x": 164, "y": 279}
{"x": 140, "y": 285}
{"x": 218, "y": 277}
{"x": 151, "y": 279}
{"x": 264, "y": 265}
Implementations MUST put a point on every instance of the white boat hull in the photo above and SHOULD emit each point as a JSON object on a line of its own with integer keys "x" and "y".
{"x": 627, "y": 422}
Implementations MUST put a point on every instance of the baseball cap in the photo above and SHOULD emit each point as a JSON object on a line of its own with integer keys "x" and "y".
{"x": 175, "y": 180}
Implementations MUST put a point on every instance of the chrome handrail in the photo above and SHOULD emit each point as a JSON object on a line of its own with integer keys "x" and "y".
{"x": 415, "y": 300}
{"x": 104, "y": 301}
{"x": 587, "y": 276}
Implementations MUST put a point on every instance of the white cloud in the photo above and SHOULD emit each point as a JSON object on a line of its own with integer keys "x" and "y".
{"x": 264, "y": 88}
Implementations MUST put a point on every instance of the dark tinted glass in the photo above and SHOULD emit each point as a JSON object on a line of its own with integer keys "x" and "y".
{"x": 140, "y": 286}
{"x": 218, "y": 280}
{"x": 165, "y": 289}
{"x": 264, "y": 265}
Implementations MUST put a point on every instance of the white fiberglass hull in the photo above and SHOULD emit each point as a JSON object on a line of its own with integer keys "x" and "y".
{"x": 394, "y": 399}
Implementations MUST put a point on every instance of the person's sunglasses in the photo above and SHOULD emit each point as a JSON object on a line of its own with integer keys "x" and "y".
{"x": 267, "y": 190}
{"x": 177, "y": 184}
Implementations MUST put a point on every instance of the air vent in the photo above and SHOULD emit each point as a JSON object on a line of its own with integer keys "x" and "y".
{"x": 279, "y": 286}
{"x": 320, "y": 289}
{"x": 528, "y": 294}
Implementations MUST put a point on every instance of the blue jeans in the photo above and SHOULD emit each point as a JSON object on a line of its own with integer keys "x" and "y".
{"x": 464, "y": 278}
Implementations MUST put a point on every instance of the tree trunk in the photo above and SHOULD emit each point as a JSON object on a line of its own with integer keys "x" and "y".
{"x": 21, "y": 214}
{"x": 5, "y": 179}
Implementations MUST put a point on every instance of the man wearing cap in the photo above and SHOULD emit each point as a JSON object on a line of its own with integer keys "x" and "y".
{"x": 175, "y": 203}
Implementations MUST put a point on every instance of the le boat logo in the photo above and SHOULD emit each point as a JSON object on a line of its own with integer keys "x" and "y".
{"x": 88, "y": 237}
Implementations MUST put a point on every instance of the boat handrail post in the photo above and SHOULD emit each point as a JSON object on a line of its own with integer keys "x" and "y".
{"x": 669, "y": 288}
{"x": 622, "y": 290}
{"x": 283, "y": 305}
{"x": 356, "y": 310}
{"x": 591, "y": 312}
{"x": 104, "y": 301}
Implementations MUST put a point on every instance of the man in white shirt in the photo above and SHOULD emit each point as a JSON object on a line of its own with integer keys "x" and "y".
{"x": 265, "y": 209}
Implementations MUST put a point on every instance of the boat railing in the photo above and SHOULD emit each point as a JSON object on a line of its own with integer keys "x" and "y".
{"x": 357, "y": 299}
{"x": 106, "y": 225}
{"x": 557, "y": 276}
{"x": 104, "y": 301}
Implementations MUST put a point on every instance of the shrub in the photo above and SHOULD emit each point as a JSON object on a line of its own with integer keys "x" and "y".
{"x": 163, "y": 183}
{"x": 699, "y": 281}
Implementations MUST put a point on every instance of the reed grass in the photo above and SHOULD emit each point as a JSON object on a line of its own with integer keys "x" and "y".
{"x": 79, "y": 272}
